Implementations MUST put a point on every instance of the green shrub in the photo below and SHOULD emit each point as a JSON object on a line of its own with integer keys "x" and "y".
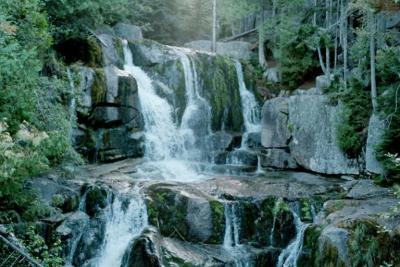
{"x": 48, "y": 254}
{"x": 352, "y": 130}
{"x": 388, "y": 67}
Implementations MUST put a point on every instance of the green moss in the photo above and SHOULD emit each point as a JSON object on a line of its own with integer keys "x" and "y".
{"x": 310, "y": 250}
{"x": 95, "y": 53}
{"x": 218, "y": 222}
{"x": 167, "y": 211}
{"x": 219, "y": 78}
{"x": 99, "y": 88}
{"x": 96, "y": 200}
{"x": 264, "y": 221}
{"x": 305, "y": 210}
{"x": 248, "y": 213}
{"x": 329, "y": 257}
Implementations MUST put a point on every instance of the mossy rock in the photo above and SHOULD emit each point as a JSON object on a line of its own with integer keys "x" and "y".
{"x": 310, "y": 251}
{"x": 167, "y": 211}
{"x": 99, "y": 87}
{"x": 248, "y": 214}
{"x": 220, "y": 84}
{"x": 96, "y": 200}
{"x": 94, "y": 53}
{"x": 218, "y": 222}
{"x": 284, "y": 226}
{"x": 66, "y": 202}
{"x": 264, "y": 221}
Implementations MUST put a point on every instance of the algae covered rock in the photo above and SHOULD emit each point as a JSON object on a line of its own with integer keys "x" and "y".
{"x": 185, "y": 216}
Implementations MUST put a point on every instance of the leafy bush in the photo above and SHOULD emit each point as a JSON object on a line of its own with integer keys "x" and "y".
{"x": 48, "y": 255}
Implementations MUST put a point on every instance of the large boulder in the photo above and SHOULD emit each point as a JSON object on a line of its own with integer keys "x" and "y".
{"x": 313, "y": 122}
{"x": 275, "y": 129}
{"x": 144, "y": 251}
{"x": 109, "y": 116}
{"x": 236, "y": 49}
{"x": 376, "y": 129}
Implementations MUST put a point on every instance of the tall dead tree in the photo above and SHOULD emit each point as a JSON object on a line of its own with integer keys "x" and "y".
{"x": 372, "y": 32}
{"x": 214, "y": 28}
{"x": 261, "y": 36}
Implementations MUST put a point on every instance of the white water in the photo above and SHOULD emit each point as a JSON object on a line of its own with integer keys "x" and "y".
{"x": 290, "y": 255}
{"x": 167, "y": 147}
{"x": 231, "y": 238}
{"x": 196, "y": 120}
{"x": 125, "y": 223}
{"x": 250, "y": 107}
{"x": 251, "y": 118}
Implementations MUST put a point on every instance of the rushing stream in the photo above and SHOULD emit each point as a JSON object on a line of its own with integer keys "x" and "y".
{"x": 126, "y": 220}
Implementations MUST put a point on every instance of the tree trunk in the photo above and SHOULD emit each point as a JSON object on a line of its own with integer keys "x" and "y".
{"x": 261, "y": 39}
{"x": 214, "y": 29}
{"x": 372, "y": 29}
{"x": 327, "y": 51}
{"x": 315, "y": 14}
{"x": 344, "y": 42}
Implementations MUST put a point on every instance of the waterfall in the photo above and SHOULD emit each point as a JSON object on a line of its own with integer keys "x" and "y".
{"x": 72, "y": 103}
{"x": 231, "y": 238}
{"x": 125, "y": 222}
{"x": 196, "y": 119}
{"x": 167, "y": 147}
{"x": 290, "y": 255}
{"x": 250, "y": 107}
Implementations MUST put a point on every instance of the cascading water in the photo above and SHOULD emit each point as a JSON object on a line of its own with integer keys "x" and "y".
{"x": 126, "y": 221}
{"x": 196, "y": 120}
{"x": 290, "y": 255}
{"x": 231, "y": 238}
{"x": 167, "y": 146}
{"x": 250, "y": 107}
{"x": 251, "y": 117}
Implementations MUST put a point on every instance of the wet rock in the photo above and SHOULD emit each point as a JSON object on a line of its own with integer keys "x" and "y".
{"x": 54, "y": 191}
{"x": 333, "y": 247}
{"x": 376, "y": 129}
{"x": 96, "y": 200}
{"x": 84, "y": 103}
{"x": 220, "y": 141}
{"x": 70, "y": 232}
{"x": 253, "y": 140}
{"x": 242, "y": 157}
{"x": 199, "y": 218}
{"x": 144, "y": 251}
{"x": 128, "y": 32}
{"x": 91, "y": 240}
{"x": 277, "y": 158}
{"x": 195, "y": 217}
{"x": 111, "y": 55}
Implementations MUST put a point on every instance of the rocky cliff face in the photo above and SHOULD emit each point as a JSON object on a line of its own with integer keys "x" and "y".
{"x": 300, "y": 130}
{"x": 110, "y": 124}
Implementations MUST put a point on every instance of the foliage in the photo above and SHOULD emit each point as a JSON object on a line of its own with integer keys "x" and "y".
{"x": 352, "y": 129}
{"x": 388, "y": 67}
{"x": 48, "y": 255}
{"x": 20, "y": 158}
{"x": 363, "y": 246}
{"x": 35, "y": 126}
